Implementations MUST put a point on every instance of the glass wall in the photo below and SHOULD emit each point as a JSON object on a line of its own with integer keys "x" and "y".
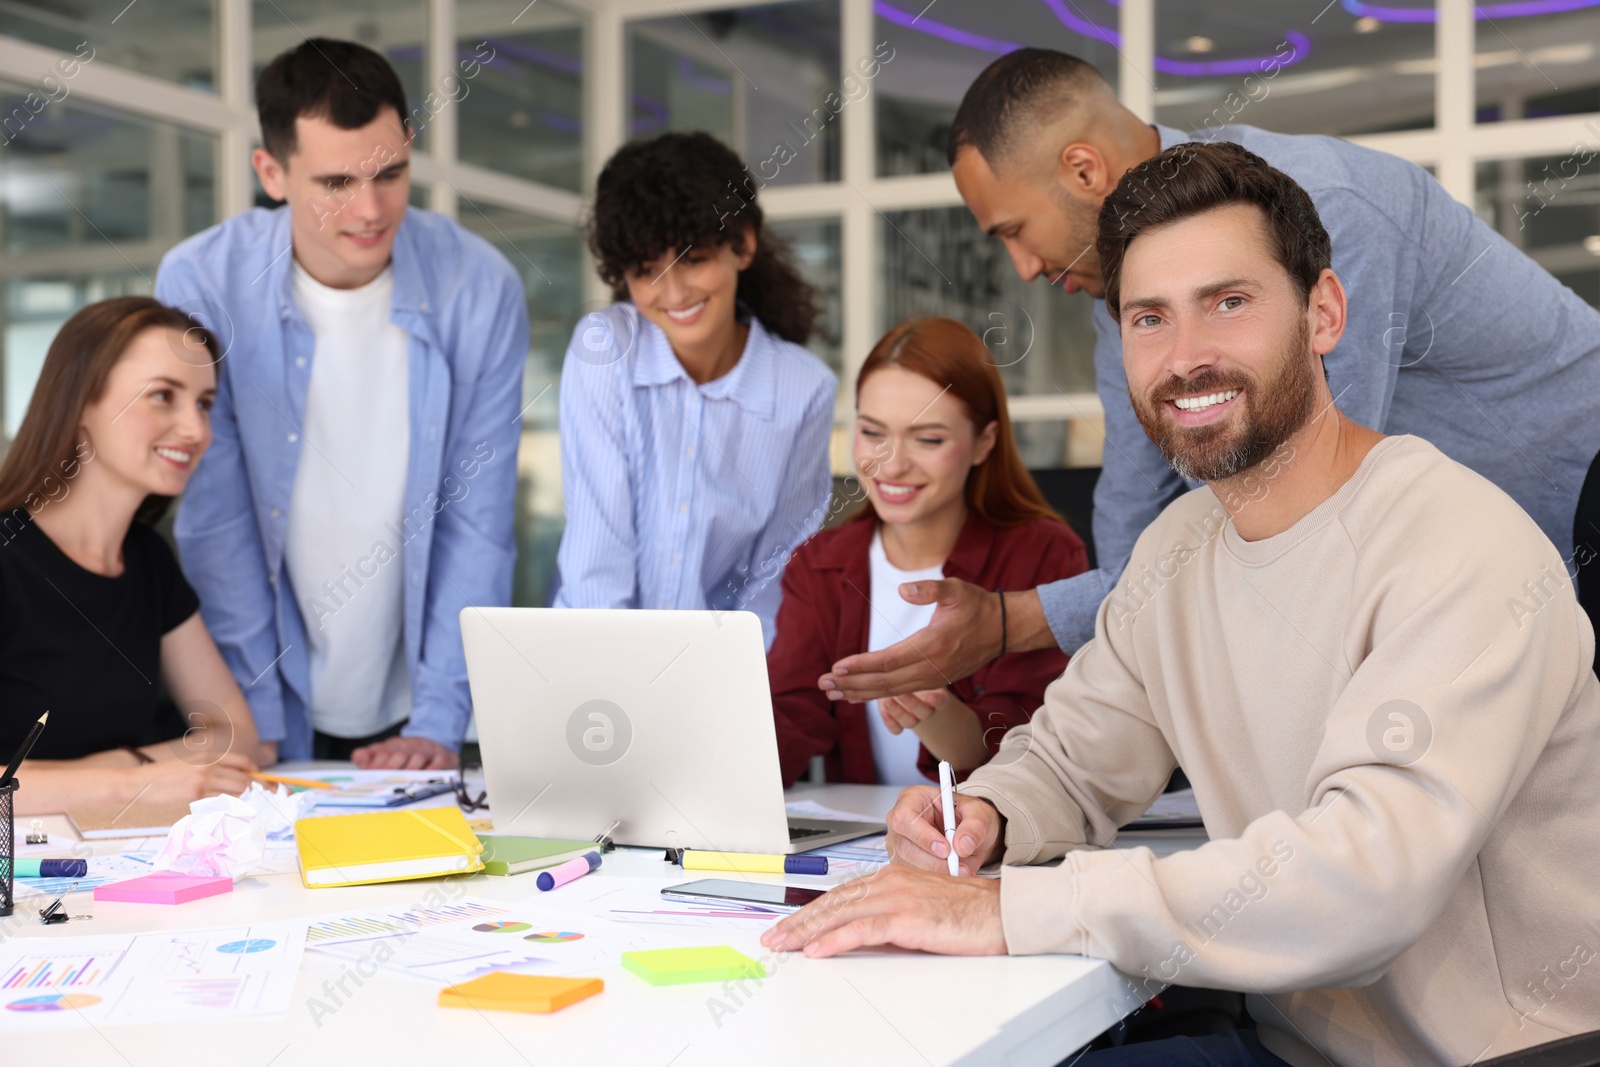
{"x": 815, "y": 243}
{"x": 763, "y": 79}
{"x": 174, "y": 40}
{"x": 929, "y": 55}
{"x": 89, "y": 200}
{"x": 397, "y": 28}
{"x": 521, "y": 90}
{"x": 1550, "y": 208}
{"x": 549, "y": 258}
{"x": 1537, "y": 65}
{"x": 34, "y": 309}
{"x": 1290, "y": 68}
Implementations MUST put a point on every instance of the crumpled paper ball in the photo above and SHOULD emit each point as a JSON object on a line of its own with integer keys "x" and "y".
{"x": 277, "y": 810}
{"x": 227, "y": 836}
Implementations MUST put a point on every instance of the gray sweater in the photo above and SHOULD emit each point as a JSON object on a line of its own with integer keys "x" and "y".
{"x": 1393, "y": 731}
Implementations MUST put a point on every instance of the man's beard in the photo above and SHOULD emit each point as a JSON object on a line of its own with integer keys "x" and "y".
{"x": 1272, "y": 415}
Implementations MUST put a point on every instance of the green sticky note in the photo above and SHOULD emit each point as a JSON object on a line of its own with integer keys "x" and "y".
{"x": 678, "y": 966}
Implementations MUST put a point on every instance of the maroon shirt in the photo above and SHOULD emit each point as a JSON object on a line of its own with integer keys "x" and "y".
{"x": 825, "y": 616}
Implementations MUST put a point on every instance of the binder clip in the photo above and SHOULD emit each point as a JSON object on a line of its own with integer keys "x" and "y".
{"x": 54, "y": 913}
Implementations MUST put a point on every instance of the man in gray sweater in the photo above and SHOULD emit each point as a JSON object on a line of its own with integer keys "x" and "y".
{"x": 1368, "y": 659}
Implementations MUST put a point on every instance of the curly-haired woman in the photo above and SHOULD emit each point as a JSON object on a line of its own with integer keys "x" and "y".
{"x": 694, "y": 426}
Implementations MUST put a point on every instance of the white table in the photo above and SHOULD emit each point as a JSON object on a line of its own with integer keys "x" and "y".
{"x": 879, "y": 1008}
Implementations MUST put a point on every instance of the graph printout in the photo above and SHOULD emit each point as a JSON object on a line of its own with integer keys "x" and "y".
{"x": 368, "y": 923}
{"x": 162, "y": 976}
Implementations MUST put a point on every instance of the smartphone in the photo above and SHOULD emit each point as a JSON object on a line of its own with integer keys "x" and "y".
{"x": 727, "y": 891}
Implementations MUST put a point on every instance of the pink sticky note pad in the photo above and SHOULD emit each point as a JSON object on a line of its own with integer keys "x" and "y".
{"x": 163, "y": 887}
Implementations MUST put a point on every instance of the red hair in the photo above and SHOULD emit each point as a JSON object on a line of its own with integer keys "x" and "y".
{"x": 949, "y": 354}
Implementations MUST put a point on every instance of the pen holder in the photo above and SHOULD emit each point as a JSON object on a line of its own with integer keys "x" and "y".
{"x": 8, "y": 848}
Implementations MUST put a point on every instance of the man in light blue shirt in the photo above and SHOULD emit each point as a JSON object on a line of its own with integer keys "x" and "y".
{"x": 1455, "y": 335}
{"x": 360, "y": 485}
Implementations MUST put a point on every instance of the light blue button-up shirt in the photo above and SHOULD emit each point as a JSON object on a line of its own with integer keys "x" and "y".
{"x": 462, "y": 306}
{"x": 1453, "y": 335}
{"x": 681, "y": 495}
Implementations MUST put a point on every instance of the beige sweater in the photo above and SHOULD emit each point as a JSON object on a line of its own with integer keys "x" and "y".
{"x": 1390, "y": 719}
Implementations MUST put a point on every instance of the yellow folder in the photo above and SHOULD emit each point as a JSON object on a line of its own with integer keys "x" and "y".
{"x": 386, "y": 846}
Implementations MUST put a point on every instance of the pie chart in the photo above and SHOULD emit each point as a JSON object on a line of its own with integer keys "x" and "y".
{"x": 54, "y": 1002}
{"x": 550, "y": 937}
{"x": 240, "y": 948}
{"x": 501, "y": 928}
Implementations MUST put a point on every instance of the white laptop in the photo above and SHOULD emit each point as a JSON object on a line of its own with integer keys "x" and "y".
{"x": 652, "y": 727}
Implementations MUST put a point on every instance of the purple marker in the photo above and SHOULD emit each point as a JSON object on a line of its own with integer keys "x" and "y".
{"x": 566, "y": 872}
{"x": 805, "y": 865}
{"x": 30, "y": 868}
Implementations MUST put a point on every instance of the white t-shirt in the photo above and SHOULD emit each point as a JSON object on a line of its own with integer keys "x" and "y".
{"x": 893, "y": 620}
{"x": 345, "y": 538}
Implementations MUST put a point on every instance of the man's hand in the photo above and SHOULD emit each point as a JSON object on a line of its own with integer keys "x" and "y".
{"x": 405, "y": 754}
{"x": 898, "y": 906}
{"x": 266, "y": 753}
{"x": 916, "y": 831}
{"x": 963, "y": 635}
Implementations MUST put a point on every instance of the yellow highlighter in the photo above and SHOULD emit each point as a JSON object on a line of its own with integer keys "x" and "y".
{"x": 753, "y": 863}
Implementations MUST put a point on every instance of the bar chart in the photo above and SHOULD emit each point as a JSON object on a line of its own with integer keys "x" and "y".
{"x": 382, "y": 922}
{"x": 53, "y": 972}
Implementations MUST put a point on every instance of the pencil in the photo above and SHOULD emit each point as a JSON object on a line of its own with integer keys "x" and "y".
{"x": 27, "y": 747}
{"x": 308, "y": 783}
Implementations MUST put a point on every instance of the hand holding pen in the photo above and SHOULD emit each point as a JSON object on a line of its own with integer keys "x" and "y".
{"x": 917, "y": 831}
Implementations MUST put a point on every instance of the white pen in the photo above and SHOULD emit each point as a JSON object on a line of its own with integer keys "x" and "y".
{"x": 947, "y": 794}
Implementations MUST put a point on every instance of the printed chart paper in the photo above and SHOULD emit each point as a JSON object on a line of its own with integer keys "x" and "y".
{"x": 455, "y": 942}
{"x": 167, "y": 976}
{"x": 368, "y": 923}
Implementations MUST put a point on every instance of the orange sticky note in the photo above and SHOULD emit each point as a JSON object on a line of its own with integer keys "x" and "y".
{"x": 501, "y": 991}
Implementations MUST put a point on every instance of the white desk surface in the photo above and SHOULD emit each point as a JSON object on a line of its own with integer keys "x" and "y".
{"x": 879, "y": 1008}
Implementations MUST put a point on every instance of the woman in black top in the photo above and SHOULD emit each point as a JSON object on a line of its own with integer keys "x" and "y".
{"x": 96, "y": 614}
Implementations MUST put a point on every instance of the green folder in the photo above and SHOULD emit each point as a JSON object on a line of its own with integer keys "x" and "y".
{"x": 677, "y": 966}
{"x": 514, "y": 855}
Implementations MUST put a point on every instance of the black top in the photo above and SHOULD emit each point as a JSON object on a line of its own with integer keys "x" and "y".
{"x": 84, "y": 647}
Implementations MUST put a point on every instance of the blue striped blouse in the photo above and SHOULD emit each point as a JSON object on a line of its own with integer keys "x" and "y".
{"x": 681, "y": 495}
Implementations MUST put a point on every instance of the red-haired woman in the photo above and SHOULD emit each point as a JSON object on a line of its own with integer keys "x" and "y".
{"x": 947, "y": 497}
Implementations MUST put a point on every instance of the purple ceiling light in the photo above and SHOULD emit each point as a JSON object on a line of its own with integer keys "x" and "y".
{"x": 1075, "y": 22}
{"x": 1519, "y": 9}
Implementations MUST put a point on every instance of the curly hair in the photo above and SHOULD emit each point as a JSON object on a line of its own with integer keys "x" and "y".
{"x": 682, "y": 189}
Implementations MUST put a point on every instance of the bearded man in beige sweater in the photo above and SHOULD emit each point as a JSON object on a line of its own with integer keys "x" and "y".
{"x": 1368, "y": 660}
